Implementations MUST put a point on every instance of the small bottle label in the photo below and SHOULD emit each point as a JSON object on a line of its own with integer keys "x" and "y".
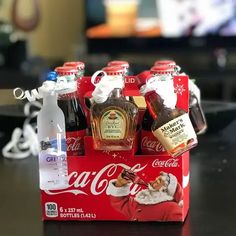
{"x": 54, "y": 144}
{"x": 177, "y": 134}
{"x": 53, "y": 164}
{"x": 75, "y": 142}
{"x": 53, "y": 170}
{"x": 113, "y": 125}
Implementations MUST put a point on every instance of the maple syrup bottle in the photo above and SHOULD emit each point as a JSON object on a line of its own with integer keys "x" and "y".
{"x": 75, "y": 119}
{"x": 171, "y": 126}
{"x": 113, "y": 118}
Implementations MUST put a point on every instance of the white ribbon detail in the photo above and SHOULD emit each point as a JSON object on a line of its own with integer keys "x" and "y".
{"x": 164, "y": 87}
{"x": 61, "y": 86}
{"x": 24, "y": 141}
{"x": 104, "y": 87}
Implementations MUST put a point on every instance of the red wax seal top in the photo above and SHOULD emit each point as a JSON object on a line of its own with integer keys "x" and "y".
{"x": 66, "y": 70}
{"x": 162, "y": 69}
{"x": 143, "y": 77}
{"x": 79, "y": 65}
{"x": 170, "y": 63}
{"x": 114, "y": 70}
{"x": 123, "y": 64}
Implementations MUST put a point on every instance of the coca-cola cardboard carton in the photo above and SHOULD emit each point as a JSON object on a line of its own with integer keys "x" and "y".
{"x": 156, "y": 187}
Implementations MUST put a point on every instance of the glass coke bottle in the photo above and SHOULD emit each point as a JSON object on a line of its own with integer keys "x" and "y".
{"x": 150, "y": 145}
{"x": 75, "y": 119}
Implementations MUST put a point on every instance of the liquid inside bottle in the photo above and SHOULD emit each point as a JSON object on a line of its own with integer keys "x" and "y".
{"x": 114, "y": 122}
{"x": 196, "y": 115}
{"x": 51, "y": 135}
{"x": 75, "y": 121}
{"x": 172, "y": 127}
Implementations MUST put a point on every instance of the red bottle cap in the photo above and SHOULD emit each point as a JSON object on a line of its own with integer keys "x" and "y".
{"x": 114, "y": 70}
{"x": 79, "y": 65}
{"x": 123, "y": 64}
{"x": 142, "y": 78}
{"x": 162, "y": 69}
{"x": 66, "y": 70}
{"x": 165, "y": 62}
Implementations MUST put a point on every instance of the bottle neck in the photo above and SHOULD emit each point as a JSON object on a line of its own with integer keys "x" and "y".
{"x": 50, "y": 99}
{"x": 154, "y": 104}
{"x": 116, "y": 93}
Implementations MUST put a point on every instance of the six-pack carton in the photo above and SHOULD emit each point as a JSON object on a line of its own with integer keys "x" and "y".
{"x": 92, "y": 193}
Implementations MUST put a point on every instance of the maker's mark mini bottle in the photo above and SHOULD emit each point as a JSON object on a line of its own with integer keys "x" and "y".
{"x": 196, "y": 113}
{"x": 113, "y": 118}
{"x": 171, "y": 126}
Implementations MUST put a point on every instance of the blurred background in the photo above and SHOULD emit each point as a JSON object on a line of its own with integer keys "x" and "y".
{"x": 37, "y": 35}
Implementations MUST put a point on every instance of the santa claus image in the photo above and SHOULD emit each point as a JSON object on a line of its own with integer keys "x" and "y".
{"x": 161, "y": 200}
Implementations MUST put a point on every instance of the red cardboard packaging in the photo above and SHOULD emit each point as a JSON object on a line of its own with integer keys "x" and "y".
{"x": 91, "y": 194}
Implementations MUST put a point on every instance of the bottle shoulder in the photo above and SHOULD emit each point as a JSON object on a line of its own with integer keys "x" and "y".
{"x": 166, "y": 116}
{"x": 115, "y": 103}
{"x": 50, "y": 112}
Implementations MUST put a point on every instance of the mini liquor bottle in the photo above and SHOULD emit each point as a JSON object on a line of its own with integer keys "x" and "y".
{"x": 150, "y": 145}
{"x": 113, "y": 118}
{"x": 196, "y": 112}
{"x": 53, "y": 169}
{"x": 171, "y": 126}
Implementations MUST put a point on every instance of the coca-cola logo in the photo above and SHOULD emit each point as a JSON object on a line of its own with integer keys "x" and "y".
{"x": 172, "y": 162}
{"x": 73, "y": 144}
{"x": 96, "y": 182}
{"x": 152, "y": 145}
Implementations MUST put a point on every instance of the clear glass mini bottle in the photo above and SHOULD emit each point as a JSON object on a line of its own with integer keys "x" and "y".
{"x": 52, "y": 138}
{"x": 113, "y": 118}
